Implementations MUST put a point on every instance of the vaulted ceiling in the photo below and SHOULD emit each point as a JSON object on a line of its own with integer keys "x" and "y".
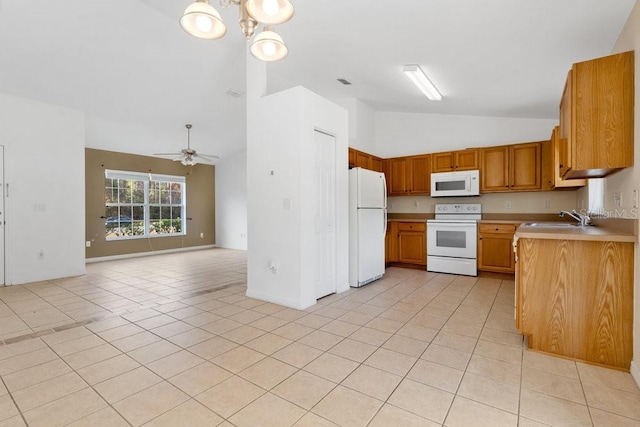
{"x": 139, "y": 77}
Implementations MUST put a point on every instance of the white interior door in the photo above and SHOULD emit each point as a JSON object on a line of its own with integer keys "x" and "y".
{"x": 2, "y": 216}
{"x": 325, "y": 214}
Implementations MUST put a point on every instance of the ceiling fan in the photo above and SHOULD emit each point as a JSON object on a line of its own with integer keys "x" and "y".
{"x": 188, "y": 156}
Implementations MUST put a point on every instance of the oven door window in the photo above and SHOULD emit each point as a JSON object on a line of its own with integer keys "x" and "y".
{"x": 451, "y": 239}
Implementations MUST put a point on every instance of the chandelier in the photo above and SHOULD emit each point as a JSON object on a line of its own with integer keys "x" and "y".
{"x": 202, "y": 20}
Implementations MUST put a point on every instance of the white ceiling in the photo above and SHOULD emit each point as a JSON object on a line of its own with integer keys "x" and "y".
{"x": 139, "y": 78}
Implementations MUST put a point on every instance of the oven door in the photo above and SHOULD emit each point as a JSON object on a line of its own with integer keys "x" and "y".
{"x": 456, "y": 239}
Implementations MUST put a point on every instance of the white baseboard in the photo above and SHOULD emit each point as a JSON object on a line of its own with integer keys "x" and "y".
{"x": 280, "y": 301}
{"x": 635, "y": 372}
{"x": 141, "y": 254}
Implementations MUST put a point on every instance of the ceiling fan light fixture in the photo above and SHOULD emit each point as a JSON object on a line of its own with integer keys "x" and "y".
{"x": 270, "y": 12}
{"x": 269, "y": 46}
{"x": 420, "y": 79}
{"x": 202, "y": 20}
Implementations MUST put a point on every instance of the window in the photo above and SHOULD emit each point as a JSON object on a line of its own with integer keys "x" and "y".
{"x": 596, "y": 196}
{"x": 143, "y": 205}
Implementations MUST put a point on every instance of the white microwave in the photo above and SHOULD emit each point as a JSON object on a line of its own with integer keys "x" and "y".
{"x": 455, "y": 184}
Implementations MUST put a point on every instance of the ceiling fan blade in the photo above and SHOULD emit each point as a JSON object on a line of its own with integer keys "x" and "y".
{"x": 207, "y": 157}
{"x": 167, "y": 154}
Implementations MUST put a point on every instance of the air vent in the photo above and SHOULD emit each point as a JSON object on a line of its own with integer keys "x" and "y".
{"x": 344, "y": 82}
{"x": 234, "y": 93}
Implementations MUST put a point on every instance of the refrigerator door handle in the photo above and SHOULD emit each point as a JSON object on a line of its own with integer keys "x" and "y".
{"x": 384, "y": 189}
{"x": 385, "y": 222}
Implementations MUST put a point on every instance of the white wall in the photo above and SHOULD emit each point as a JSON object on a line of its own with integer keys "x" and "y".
{"x": 403, "y": 134}
{"x": 627, "y": 180}
{"x": 44, "y": 167}
{"x": 281, "y": 228}
{"x": 231, "y": 201}
{"x": 361, "y": 124}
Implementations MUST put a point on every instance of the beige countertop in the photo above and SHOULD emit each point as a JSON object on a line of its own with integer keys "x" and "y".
{"x": 590, "y": 233}
{"x": 500, "y": 221}
{"x": 407, "y": 219}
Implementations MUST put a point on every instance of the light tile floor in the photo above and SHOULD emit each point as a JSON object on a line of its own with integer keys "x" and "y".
{"x": 172, "y": 340}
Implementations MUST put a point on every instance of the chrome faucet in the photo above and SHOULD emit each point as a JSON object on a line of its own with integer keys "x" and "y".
{"x": 583, "y": 219}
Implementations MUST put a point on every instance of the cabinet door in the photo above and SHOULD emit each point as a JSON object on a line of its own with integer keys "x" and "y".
{"x": 443, "y": 162}
{"x": 564, "y": 131}
{"x": 363, "y": 160}
{"x": 352, "y": 158}
{"x": 524, "y": 166}
{"x": 420, "y": 171}
{"x": 495, "y": 250}
{"x": 602, "y": 116}
{"x": 376, "y": 164}
{"x": 466, "y": 160}
{"x": 554, "y": 167}
{"x": 391, "y": 242}
{"x": 494, "y": 171}
{"x": 412, "y": 247}
{"x": 398, "y": 184}
{"x": 495, "y": 253}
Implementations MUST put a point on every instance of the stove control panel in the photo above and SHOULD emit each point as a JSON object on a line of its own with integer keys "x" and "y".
{"x": 462, "y": 208}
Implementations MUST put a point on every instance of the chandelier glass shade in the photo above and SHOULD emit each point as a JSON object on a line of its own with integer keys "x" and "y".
{"x": 270, "y": 11}
{"x": 268, "y": 46}
{"x": 202, "y": 20}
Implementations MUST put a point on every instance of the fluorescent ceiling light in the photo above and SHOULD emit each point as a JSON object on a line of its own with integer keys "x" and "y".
{"x": 419, "y": 78}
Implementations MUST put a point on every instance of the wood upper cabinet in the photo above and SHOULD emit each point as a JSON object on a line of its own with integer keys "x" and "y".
{"x": 363, "y": 160}
{"x": 495, "y": 250}
{"x": 376, "y": 164}
{"x": 597, "y": 116}
{"x": 511, "y": 168}
{"x": 455, "y": 160}
{"x": 551, "y": 178}
{"x": 420, "y": 170}
{"x": 352, "y": 158}
{"x": 574, "y": 298}
{"x": 360, "y": 159}
{"x": 412, "y": 243}
{"x": 408, "y": 175}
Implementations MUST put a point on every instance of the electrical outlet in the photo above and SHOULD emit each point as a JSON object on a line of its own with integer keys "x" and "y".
{"x": 547, "y": 204}
{"x": 617, "y": 199}
{"x": 508, "y": 204}
{"x": 87, "y": 243}
{"x": 202, "y": 235}
{"x": 635, "y": 197}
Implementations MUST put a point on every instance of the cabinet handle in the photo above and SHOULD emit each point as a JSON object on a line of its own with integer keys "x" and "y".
{"x": 561, "y": 166}
{"x": 496, "y": 229}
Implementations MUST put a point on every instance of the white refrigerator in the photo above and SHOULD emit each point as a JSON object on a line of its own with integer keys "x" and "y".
{"x": 367, "y": 225}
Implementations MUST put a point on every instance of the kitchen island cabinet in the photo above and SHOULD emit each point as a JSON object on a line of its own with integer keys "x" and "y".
{"x": 574, "y": 297}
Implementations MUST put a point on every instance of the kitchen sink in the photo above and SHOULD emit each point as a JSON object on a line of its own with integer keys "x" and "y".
{"x": 552, "y": 224}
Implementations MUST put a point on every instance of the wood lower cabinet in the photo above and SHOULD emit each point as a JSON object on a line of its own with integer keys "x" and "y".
{"x": 495, "y": 249}
{"x": 391, "y": 243}
{"x": 406, "y": 242}
{"x": 574, "y": 298}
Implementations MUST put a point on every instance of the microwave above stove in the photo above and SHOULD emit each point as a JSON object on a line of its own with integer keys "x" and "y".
{"x": 455, "y": 184}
